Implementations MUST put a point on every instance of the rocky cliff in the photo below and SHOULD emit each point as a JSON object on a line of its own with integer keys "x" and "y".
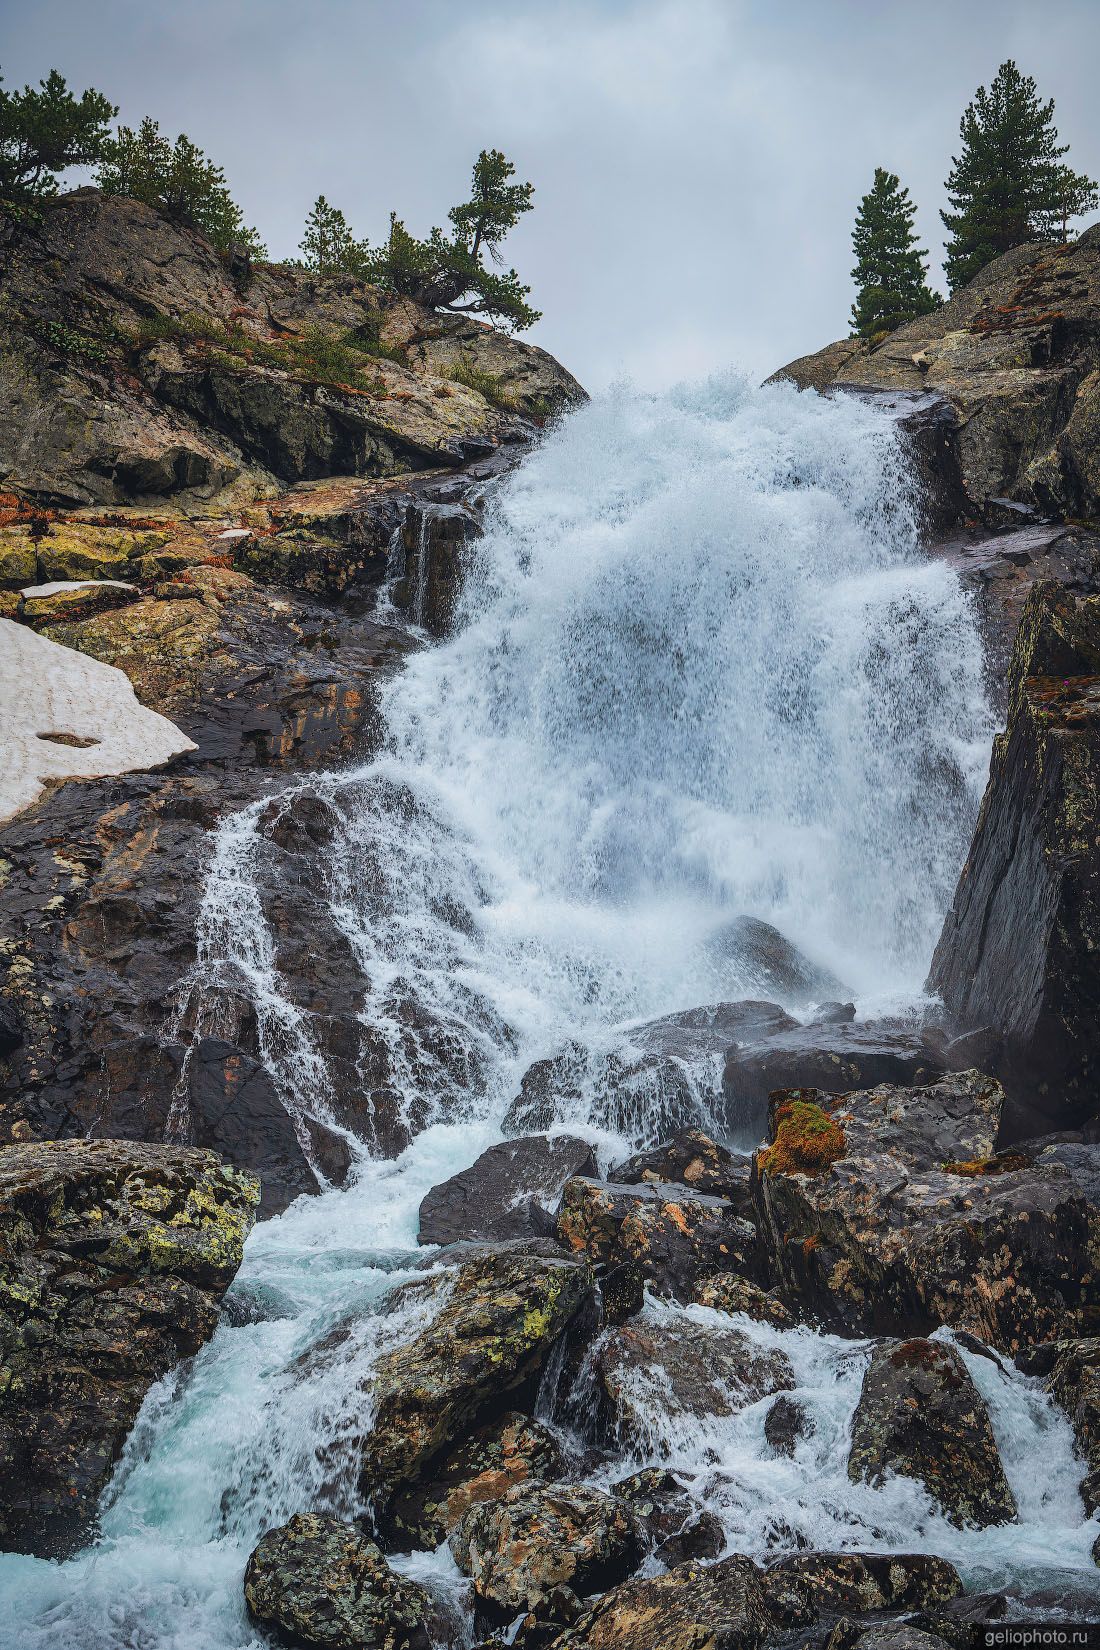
{"x": 1017, "y": 355}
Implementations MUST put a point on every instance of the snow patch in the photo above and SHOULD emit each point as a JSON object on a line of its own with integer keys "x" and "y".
{"x": 66, "y": 716}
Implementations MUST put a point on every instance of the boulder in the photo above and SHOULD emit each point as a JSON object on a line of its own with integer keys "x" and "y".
{"x": 834, "y": 1056}
{"x": 1019, "y": 949}
{"x": 720, "y": 1606}
{"x": 646, "y": 1096}
{"x": 319, "y": 1584}
{"x": 510, "y": 1192}
{"x": 659, "y": 1502}
{"x": 539, "y": 1541}
{"x": 511, "y": 1450}
{"x": 669, "y": 1235}
{"x": 785, "y": 1424}
{"x": 729, "y": 1292}
{"x": 672, "y": 1367}
{"x": 773, "y": 963}
{"x": 113, "y": 1259}
{"x": 694, "y": 1033}
{"x": 1074, "y": 1381}
{"x": 499, "y": 1316}
{"x": 836, "y": 1582}
{"x": 921, "y": 1416}
{"x": 890, "y": 1212}
{"x": 886, "y": 1635}
{"x": 1014, "y": 353}
{"x": 691, "y": 1159}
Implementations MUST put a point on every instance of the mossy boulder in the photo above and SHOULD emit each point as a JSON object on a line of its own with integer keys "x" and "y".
{"x": 74, "y": 549}
{"x": 921, "y": 1416}
{"x": 494, "y": 1322}
{"x": 18, "y": 558}
{"x": 113, "y": 1258}
{"x": 319, "y": 1584}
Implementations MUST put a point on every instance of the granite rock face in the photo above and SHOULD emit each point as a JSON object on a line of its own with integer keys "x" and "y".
{"x": 896, "y": 1213}
{"x": 1020, "y": 947}
{"x": 921, "y": 1416}
{"x": 113, "y": 1259}
{"x": 1015, "y": 352}
{"x": 152, "y": 370}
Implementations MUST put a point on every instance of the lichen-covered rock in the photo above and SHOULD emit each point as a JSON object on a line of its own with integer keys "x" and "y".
{"x": 498, "y": 1318}
{"x": 510, "y": 1192}
{"x": 113, "y": 1258}
{"x": 1015, "y": 353}
{"x": 319, "y": 1584}
{"x": 670, "y": 1235}
{"x": 521, "y": 1549}
{"x": 728, "y": 1292}
{"x": 1074, "y": 1381}
{"x": 496, "y": 1457}
{"x": 1020, "y": 949}
{"x": 921, "y": 1416}
{"x": 719, "y": 1606}
{"x": 886, "y": 1635}
{"x": 137, "y": 366}
{"x": 656, "y": 1369}
{"x": 835, "y": 1582}
{"x": 919, "y": 1221}
{"x": 691, "y": 1159}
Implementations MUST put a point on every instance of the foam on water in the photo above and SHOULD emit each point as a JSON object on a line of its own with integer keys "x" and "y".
{"x": 701, "y": 671}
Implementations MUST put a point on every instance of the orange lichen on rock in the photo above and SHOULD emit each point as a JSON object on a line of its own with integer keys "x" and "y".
{"x": 1003, "y": 1163}
{"x": 807, "y": 1140}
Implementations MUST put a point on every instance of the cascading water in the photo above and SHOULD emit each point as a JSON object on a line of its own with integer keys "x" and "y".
{"x": 701, "y": 672}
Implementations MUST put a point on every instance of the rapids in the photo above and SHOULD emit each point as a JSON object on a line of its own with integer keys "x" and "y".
{"x": 701, "y": 669}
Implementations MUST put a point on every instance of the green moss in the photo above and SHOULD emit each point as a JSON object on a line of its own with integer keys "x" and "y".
{"x": 807, "y": 1140}
{"x": 487, "y": 384}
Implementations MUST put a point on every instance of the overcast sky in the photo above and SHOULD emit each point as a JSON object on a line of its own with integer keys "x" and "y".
{"x": 697, "y": 163}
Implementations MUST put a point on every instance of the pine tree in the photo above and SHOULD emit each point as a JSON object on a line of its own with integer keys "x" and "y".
{"x": 1008, "y": 184}
{"x": 179, "y": 181}
{"x": 447, "y": 272}
{"x": 43, "y": 130}
{"x": 889, "y": 273}
{"x": 328, "y": 246}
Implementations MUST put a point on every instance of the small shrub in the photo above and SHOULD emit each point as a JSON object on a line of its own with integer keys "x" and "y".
{"x": 488, "y": 384}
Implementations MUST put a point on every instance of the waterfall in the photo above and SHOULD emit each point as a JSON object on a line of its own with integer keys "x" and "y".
{"x": 701, "y": 671}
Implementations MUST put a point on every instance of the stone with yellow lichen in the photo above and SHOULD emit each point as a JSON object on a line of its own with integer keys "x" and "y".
{"x": 113, "y": 1258}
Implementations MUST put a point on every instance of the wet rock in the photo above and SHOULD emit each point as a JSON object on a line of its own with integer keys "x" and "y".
{"x": 921, "y": 1416}
{"x": 693, "y": 1033}
{"x": 1074, "y": 1382}
{"x": 494, "y": 1459}
{"x": 649, "y": 1097}
{"x": 1019, "y": 949}
{"x": 785, "y": 1424}
{"x": 509, "y": 1192}
{"x": 720, "y": 1605}
{"x": 654, "y": 1369}
{"x": 835, "y": 1582}
{"x": 539, "y": 1538}
{"x": 498, "y": 1318}
{"x": 703, "y": 1538}
{"x": 835, "y": 1056}
{"x": 671, "y": 1235}
{"x": 728, "y": 1292}
{"x": 907, "y": 1217}
{"x": 774, "y": 963}
{"x": 691, "y": 1159}
{"x": 113, "y": 1258}
{"x": 886, "y": 1635}
{"x": 434, "y": 540}
{"x": 659, "y": 1502}
{"x": 236, "y": 1108}
{"x": 320, "y": 1584}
